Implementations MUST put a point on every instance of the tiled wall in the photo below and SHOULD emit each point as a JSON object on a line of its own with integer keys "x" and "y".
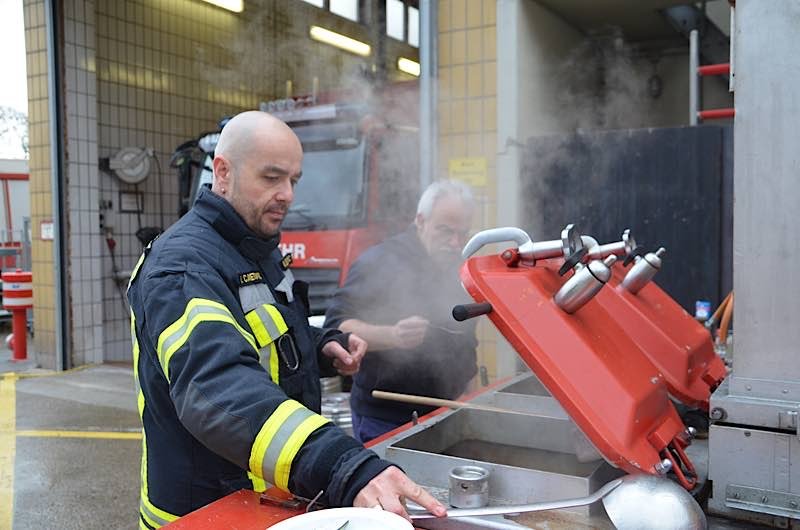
{"x": 39, "y": 171}
{"x": 83, "y": 183}
{"x": 468, "y": 112}
{"x": 154, "y": 74}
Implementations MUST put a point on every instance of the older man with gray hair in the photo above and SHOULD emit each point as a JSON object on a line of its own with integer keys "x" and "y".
{"x": 398, "y": 296}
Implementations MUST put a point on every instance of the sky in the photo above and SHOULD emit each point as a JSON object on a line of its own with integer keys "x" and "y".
{"x": 14, "y": 88}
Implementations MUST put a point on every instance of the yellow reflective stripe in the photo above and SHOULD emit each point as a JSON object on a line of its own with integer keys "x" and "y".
{"x": 267, "y": 432}
{"x": 259, "y": 484}
{"x": 267, "y": 323}
{"x": 155, "y": 516}
{"x": 136, "y": 268}
{"x": 279, "y": 440}
{"x": 291, "y": 447}
{"x": 274, "y": 367}
{"x": 197, "y": 311}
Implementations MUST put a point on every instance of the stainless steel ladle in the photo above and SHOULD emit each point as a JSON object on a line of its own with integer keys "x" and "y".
{"x": 632, "y": 502}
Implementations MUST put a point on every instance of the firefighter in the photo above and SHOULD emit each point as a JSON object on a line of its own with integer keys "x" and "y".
{"x": 398, "y": 296}
{"x": 226, "y": 366}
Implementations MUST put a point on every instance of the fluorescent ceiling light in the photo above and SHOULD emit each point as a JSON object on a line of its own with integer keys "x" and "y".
{"x": 408, "y": 66}
{"x": 340, "y": 41}
{"x": 237, "y": 6}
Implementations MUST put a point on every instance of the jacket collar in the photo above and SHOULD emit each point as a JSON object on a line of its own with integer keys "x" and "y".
{"x": 229, "y": 224}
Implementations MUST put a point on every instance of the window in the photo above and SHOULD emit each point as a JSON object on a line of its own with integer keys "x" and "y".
{"x": 395, "y": 19}
{"x": 402, "y": 21}
{"x": 344, "y": 8}
{"x": 413, "y": 26}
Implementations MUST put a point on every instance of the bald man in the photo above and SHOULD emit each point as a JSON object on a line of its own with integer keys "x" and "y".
{"x": 227, "y": 367}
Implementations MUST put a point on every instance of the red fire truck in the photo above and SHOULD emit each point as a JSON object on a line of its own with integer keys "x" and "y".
{"x": 360, "y": 179}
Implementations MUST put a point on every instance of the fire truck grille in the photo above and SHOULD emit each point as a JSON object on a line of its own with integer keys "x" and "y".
{"x": 322, "y": 284}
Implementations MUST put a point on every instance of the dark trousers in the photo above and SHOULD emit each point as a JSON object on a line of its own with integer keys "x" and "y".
{"x": 366, "y": 428}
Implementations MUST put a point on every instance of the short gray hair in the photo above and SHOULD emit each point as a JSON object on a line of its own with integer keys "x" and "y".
{"x": 443, "y": 188}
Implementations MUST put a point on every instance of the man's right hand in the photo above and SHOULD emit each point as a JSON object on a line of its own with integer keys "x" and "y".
{"x": 409, "y": 332}
{"x": 391, "y": 488}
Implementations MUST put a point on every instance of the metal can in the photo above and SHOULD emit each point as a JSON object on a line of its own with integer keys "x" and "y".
{"x": 469, "y": 487}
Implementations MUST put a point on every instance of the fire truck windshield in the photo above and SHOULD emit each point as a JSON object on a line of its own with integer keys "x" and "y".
{"x": 331, "y": 194}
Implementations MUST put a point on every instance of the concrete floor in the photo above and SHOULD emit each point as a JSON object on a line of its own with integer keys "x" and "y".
{"x": 75, "y": 463}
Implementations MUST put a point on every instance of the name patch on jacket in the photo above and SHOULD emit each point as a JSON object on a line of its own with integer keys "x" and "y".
{"x": 250, "y": 277}
{"x": 286, "y": 262}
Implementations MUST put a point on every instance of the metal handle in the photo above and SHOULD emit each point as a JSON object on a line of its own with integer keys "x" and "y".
{"x": 496, "y": 235}
{"x": 524, "y": 508}
{"x": 462, "y": 312}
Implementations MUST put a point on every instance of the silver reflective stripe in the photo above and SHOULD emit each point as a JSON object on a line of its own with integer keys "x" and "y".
{"x": 254, "y": 295}
{"x": 153, "y": 517}
{"x": 178, "y": 333}
{"x": 263, "y": 357}
{"x": 282, "y": 436}
{"x": 268, "y": 323}
{"x": 286, "y": 285}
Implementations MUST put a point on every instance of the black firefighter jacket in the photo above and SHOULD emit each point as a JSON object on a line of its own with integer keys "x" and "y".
{"x": 227, "y": 373}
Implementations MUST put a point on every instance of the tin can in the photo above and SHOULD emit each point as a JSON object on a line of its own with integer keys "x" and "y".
{"x": 469, "y": 487}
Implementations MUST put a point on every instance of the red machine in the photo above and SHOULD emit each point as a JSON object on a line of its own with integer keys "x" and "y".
{"x": 580, "y": 349}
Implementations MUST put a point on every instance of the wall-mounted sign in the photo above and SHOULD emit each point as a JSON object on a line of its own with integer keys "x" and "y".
{"x": 470, "y": 170}
{"x": 46, "y": 231}
{"x": 130, "y": 202}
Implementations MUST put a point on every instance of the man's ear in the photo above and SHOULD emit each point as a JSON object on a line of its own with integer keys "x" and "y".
{"x": 222, "y": 173}
{"x": 419, "y": 220}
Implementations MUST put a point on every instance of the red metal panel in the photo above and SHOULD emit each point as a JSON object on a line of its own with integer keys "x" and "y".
{"x": 674, "y": 341}
{"x": 238, "y": 511}
{"x": 600, "y": 376}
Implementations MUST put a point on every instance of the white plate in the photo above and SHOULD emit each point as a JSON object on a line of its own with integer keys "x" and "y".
{"x": 333, "y": 518}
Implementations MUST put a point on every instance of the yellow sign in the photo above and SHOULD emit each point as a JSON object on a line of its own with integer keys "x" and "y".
{"x": 469, "y": 170}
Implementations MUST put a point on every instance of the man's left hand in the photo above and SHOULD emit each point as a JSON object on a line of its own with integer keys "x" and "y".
{"x": 346, "y": 362}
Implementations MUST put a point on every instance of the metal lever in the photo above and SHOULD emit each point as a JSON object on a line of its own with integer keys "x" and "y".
{"x": 626, "y": 247}
{"x": 463, "y": 312}
{"x": 524, "y": 508}
{"x": 497, "y": 235}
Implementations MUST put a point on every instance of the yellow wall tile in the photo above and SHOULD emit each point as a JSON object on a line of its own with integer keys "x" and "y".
{"x": 458, "y": 82}
{"x": 490, "y": 78}
{"x": 459, "y": 146}
{"x": 444, "y": 50}
{"x": 474, "y": 45}
{"x": 444, "y": 15}
{"x": 445, "y": 117}
{"x": 458, "y": 14}
{"x": 474, "y": 14}
{"x": 490, "y": 114}
{"x": 458, "y": 116}
{"x": 458, "y": 47}
{"x": 489, "y": 12}
{"x": 474, "y": 80}
{"x": 489, "y": 38}
{"x": 474, "y": 115}
{"x": 475, "y": 145}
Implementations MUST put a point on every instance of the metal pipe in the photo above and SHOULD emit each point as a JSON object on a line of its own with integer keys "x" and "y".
{"x": 714, "y": 69}
{"x": 54, "y": 83}
{"x": 428, "y": 51}
{"x": 694, "y": 79}
{"x": 716, "y": 114}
